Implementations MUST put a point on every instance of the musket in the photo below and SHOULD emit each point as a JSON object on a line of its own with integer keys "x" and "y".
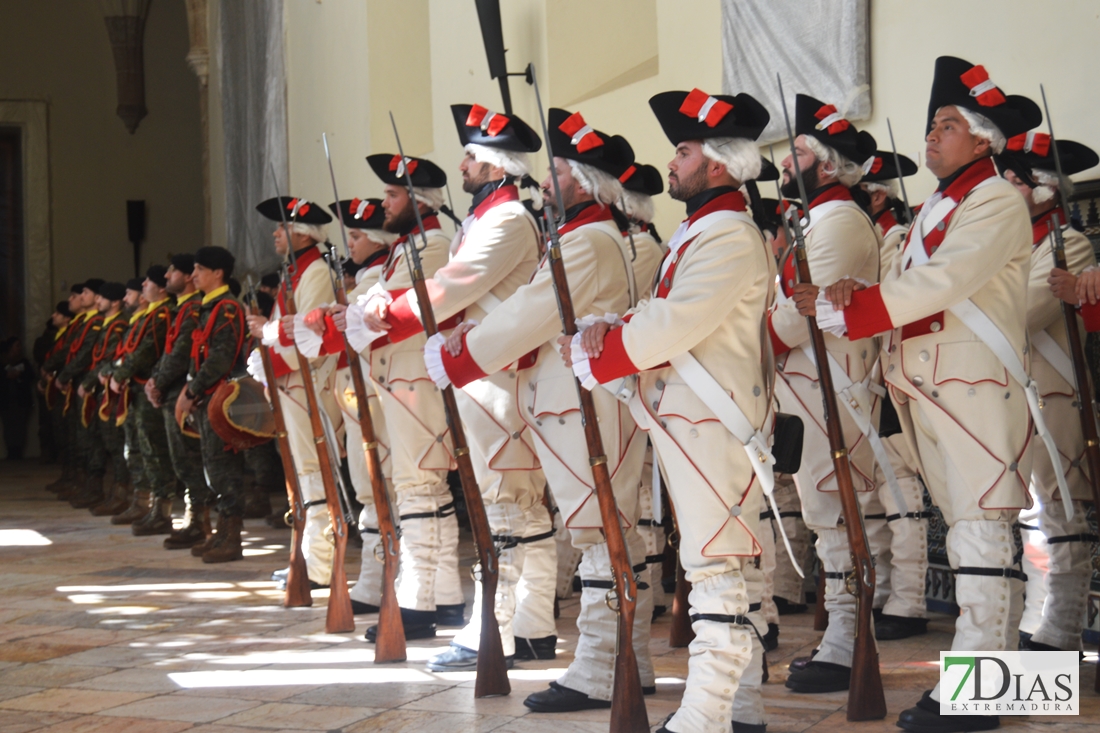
{"x": 865, "y": 697}
{"x": 680, "y": 632}
{"x": 389, "y": 645}
{"x": 297, "y": 578}
{"x": 1073, "y": 334}
{"x": 628, "y": 711}
{"x": 492, "y": 671}
{"x": 901, "y": 176}
{"x": 339, "y": 618}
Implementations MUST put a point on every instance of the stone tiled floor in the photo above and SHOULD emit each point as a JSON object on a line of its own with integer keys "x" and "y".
{"x": 103, "y": 631}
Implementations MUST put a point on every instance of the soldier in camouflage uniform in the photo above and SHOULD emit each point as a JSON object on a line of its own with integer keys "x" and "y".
{"x": 55, "y": 401}
{"x": 217, "y": 346}
{"x": 141, "y": 351}
{"x": 138, "y": 504}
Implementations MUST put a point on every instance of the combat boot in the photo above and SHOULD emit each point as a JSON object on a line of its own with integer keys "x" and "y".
{"x": 227, "y": 546}
{"x": 90, "y": 495}
{"x": 157, "y": 521}
{"x": 212, "y": 535}
{"x": 194, "y": 532}
{"x": 64, "y": 480}
{"x": 116, "y": 504}
{"x": 69, "y": 490}
{"x": 139, "y": 507}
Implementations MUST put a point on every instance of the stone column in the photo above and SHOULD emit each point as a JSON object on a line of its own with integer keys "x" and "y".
{"x": 198, "y": 57}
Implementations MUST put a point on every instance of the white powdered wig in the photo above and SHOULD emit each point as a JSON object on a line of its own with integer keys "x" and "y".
{"x": 1048, "y": 186}
{"x": 513, "y": 163}
{"x": 638, "y": 206}
{"x": 889, "y": 187}
{"x": 604, "y": 187}
{"x": 981, "y": 126}
{"x": 740, "y": 156}
{"x": 381, "y": 236}
{"x": 847, "y": 173}
{"x": 316, "y": 232}
{"x": 430, "y": 197}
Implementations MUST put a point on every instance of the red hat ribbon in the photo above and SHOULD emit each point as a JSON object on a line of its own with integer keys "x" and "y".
{"x": 489, "y": 122}
{"x": 987, "y": 93}
{"x": 872, "y": 165}
{"x": 398, "y": 166}
{"x": 297, "y": 206}
{"x": 584, "y": 138}
{"x": 361, "y": 208}
{"x": 1030, "y": 142}
{"x": 705, "y": 108}
{"x": 627, "y": 174}
{"x": 831, "y": 120}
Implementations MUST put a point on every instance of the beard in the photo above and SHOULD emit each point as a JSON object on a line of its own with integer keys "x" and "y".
{"x": 402, "y": 222}
{"x": 809, "y": 180}
{"x": 474, "y": 183}
{"x": 683, "y": 189}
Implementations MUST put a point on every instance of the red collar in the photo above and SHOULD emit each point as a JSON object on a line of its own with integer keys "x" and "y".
{"x": 302, "y": 262}
{"x": 496, "y": 198}
{"x": 732, "y": 201}
{"x": 886, "y": 220}
{"x": 1042, "y": 226}
{"x": 970, "y": 178}
{"x": 587, "y": 215}
{"x": 832, "y": 193}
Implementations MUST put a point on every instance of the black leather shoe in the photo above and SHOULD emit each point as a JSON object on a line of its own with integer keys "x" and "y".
{"x": 658, "y": 611}
{"x": 418, "y": 625}
{"x": 359, "y": 608}
{"x": 458, "y": 659}
{"x": 786, "y": 608}
{"x": 451, "y": 615}
{"x": 771, "y": 639}
{"x": 1024, "y": 639}
{"x": 800, "y": 662}
{"x": 559, "y": 699}
{"x": 889, "y": 628}
{"x": 820, "y": 677}
{"x": 749, "y": 727}
{"x": 925, "y": 717}
{"x": 544, "y": 648}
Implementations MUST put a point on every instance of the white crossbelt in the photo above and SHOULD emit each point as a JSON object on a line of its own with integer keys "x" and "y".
{"x": 1045, "y": 344}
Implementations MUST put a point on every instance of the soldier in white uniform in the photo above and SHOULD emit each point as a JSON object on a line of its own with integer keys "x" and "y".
{"x": 959, "y": 285}
{"x": 706, "y": 315}
{"x": 898, "y": 537}
{"x": 493, "y": 255}
{"x": 1028, "y": 164}
{"x": 312, "y": 286}
{"x": 840, "y": 241}
{"x": 600, "y": 270}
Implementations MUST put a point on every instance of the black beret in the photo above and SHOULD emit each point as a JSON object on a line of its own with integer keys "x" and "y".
{"x": 216, "y": 258}
{"x": 271, "y": 280}
{"x": 112, "y": 291}
{"x": 158, "y": 274}
{"x": 424, "y": 173}
{"x": 63, "y": 309}
{"x": 184, "y": 262}
{"x": 297, "y": 211}
{"x": 234, "y": 286}
{"x": 266, "y": 303}
{"x": 77, "y": 288}
{"x": 134, "y": 283}
{"x": 94, "y": 285}
{"x": 479, "y": 126}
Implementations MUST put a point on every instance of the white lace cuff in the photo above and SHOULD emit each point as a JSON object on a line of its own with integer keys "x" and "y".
{"x": 256, "y": 367}
{"x": 433, "y": 361}
{"x": 359, "y": 336}
{"x": 581, "y": 368}
{"x": 829, "y": 318}
{"x": 271, "y": 333}
{"x": 612, "y": 319}
{"x": 305, "y": 339}
{"x": 375, "y": 291}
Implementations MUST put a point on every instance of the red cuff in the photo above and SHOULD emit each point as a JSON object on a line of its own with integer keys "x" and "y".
{"x": 778, "y": 347}
{"x": 1091, "y": 316}
{"x": 461, "y": 369}
{"x": 284, "y": 339}
{"x": 613, "y": 362}
{"x": 332, "y": 341}
{"x": 405, "y": 323}
{"x": 867, "y": 314}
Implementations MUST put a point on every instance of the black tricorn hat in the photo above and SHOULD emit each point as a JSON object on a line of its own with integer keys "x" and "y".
{"x": 882, "y": 168}
{"x": 644, "y": 179}
{"x": 480, "y": 126}
{"x": 822, "y": 122}
{"x": 696, "y": 115}
{"x": 1032, "y": 150}
{"x": 574, "y": 139}
{"x": 112, "y": 291}
{"x": 297, "y": 211}
{"x": 424, "y": 173}
{"x": 768, "y": 171}
{"x": 962, "y": 84}
{"x": 360, "y": 213}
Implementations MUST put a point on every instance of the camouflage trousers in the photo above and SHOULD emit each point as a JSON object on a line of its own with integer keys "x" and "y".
{"x": 224, "y": 469}
{"x": 66, "y": 449}
{"x": 91, "y": 440}
{"x": 153, "y": 441}
{"x": 266, "y": 467}
{"x": 134, "y": 461}
{"x": 113, "y": 438}
{"x": 186, "y": 455}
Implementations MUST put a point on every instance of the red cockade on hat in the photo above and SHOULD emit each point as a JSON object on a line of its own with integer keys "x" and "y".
{"x": 297, "y": 206}
{"x": 584, "y": 138}
{"x": 398, "y": 166}
{"x": 1030, "y": 142}
{"x": 872, "y": 166}
{"x": 831, "y": 120}
{"x": 986, "y": 92}
{"x": 627, "y": 174}
{"x": 489, "y": 122}
{"x": 705, "y": 108}
{"x": 361, "y": 209}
